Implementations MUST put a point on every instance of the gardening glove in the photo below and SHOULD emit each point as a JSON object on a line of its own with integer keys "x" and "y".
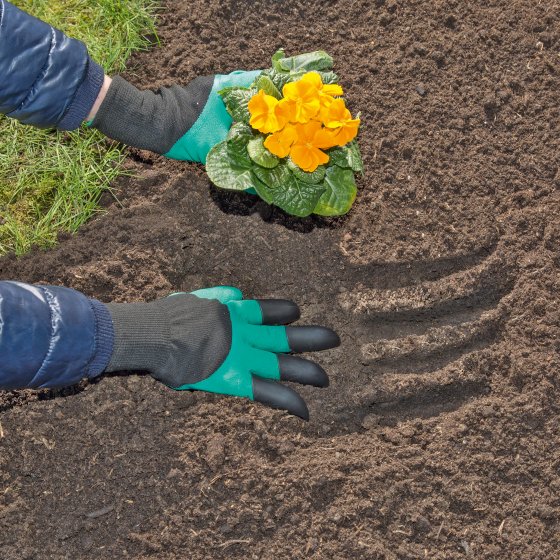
{"x": 213, "y": 340}
{"x": 179, "y": 122}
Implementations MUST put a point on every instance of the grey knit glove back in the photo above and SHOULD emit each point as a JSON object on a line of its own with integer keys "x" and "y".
{"x": 179, "y": 340}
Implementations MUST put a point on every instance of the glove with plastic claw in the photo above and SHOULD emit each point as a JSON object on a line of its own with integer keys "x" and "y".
{"x": 178, "y": 122}
{"x": 213, "y": 340}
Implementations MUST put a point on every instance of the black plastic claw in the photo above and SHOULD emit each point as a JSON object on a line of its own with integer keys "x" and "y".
{"x": 311, "y": 338}
{"x": 279, "y": 311}
{"x": 302, "y": 371}
{"x": 276, "y": 395}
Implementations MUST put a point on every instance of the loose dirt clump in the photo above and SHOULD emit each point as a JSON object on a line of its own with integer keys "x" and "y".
{"x": 439, "y": 436}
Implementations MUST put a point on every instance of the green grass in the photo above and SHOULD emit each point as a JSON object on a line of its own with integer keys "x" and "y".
{"x": 51, "y": 181}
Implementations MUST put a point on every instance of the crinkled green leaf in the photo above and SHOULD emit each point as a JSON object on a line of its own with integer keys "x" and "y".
{"x": 348, "y": 156}
{"x": 279, "y": 79}
{"x": 236, "y": 100}
{"x": 329, "y": 77}
{"x": 267, "y": 85}
{"x": 276, "y": 57}
{"x": 242, "y": 130}
{"x": 316, "y": 60}
{"x": 340, "y": 192}
{"x": 274, "y": 177}
{"x": 264, "y": 191}
{"x": 228, "y": 168}
{"x": 314, "y": 177}
{"x": 281, "y": 188}
{"x": 298, "y": 198}
{"x": 259, "y": 154}
{"x": 237, "y": 150}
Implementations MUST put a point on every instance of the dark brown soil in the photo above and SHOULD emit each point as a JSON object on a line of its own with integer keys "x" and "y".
{"x": 439, "y": 437}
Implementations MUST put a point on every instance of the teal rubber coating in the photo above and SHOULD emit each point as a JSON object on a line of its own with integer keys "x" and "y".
{"x": 254, "y": 347}
{"x": 214, "y": 122}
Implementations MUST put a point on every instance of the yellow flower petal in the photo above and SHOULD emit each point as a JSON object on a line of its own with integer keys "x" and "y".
{"x": 308, "y": 158}
{"x": 262, "y": 108}
{"x": 346, "y": 133}
{"x": 280, "y": 142}
{"x": 312, "y": 78}
{"x": 332, "y": 89}
{"x": 305, "y": 152}
{"x": 325, "y": 139}
{"x": 302, "y": 98}
{"x": 337, "y": 114}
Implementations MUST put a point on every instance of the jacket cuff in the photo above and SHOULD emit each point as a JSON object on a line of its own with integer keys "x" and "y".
{"x": 104, "y": 339}
{"x": 84, "y": 98}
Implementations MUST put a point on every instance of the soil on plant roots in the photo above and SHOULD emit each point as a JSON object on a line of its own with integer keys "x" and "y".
{"x": 439, "y": 436}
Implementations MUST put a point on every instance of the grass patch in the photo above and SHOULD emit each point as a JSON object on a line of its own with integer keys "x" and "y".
{"x": 51, "y": 181}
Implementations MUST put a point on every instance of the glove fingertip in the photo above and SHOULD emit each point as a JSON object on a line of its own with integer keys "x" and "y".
{"x": 279, "y": 396}
{"x": 311, "y": 338}
{"x": 278, "y": 311}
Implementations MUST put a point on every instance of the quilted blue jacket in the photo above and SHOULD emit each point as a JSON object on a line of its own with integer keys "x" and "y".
{"x": 49, "y": 336}
{"x": 46, "y": 78}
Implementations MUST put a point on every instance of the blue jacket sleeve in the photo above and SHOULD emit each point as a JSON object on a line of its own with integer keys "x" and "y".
{"x": 51, "y": 336}
{"x": 46, "y": 79}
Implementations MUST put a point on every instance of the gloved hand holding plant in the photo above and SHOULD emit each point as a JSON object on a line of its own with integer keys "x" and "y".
{"x": 293, "y": 141}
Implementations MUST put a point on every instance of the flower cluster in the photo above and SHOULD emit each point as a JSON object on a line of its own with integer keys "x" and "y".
{"x": 311, "y": 117}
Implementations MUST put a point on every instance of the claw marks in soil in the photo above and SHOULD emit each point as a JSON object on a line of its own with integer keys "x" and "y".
{"x": 420, "y": 343}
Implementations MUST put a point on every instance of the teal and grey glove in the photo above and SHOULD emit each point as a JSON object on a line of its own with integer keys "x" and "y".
{"x": 178, "y": 122}
{"x": 213, "y": 340}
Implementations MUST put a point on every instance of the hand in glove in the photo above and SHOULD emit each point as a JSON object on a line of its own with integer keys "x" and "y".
{"x": 179, "y": 122}
{"x": 213, "y": 340}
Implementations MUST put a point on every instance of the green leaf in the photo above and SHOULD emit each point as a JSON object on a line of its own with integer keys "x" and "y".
{"x": 264, "y": 191}
{"x": 259, "y": 154}
{"x": 279, "y": 79}
{"x": 276, "y": 57}
{"x": 228, "y": 168}
{"x": 268, "y": 180}
{"x": 298, "y": 198}
{"x": 315, "y": 177}
{"x": 329, "y": 77}
{"x": 347, "y": 157}
{"x": 236, "y": 100}
{"x": 282, "y": 188}
{"x": 237, "y": 151}
{"x": 317, "y": 60}
{"x": 240, "y": 130}
{"x": 340, "y": 192}
{"x": 274, "y": 177}
{"x": 267, "y": 85}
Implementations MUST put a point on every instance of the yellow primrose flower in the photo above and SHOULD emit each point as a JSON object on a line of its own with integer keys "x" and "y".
{"x": 305, "y": 152}
{"x": 301, "y": 98}
{"x": 326, "y": 101}
{"x": 339, "y": 119}
{"x": 280, "y": 142}
{"x": 333, "y": 90}
{"x": 264, "y": 115}
{"x": 326, "y": 97}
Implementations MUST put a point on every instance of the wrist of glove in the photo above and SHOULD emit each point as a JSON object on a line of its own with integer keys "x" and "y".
{"x": 179, "y": 122}
{"x": 213, "y": 340}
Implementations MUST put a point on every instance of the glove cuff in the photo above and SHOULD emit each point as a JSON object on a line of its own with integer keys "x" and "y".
{"x": 85, "y": 97}
{"x": 141, "y": 337}
{"x": 104, "y": 337}
{"x": 151, "y": 120}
